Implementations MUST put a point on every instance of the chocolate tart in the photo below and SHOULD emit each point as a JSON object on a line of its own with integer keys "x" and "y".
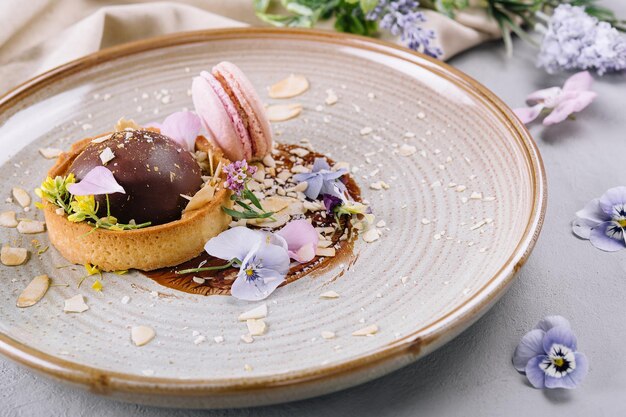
{"x": 146, "y": 249}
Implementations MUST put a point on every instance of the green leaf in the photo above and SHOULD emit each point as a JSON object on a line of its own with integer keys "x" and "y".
{"x": 367, "y": 5}
{"x": 255, "y": 201}
{"x": 244, "y": 205}
{"x": 299, "y": 9}
{"x": 260, "y": 6}
{"x": 275, "y": 19}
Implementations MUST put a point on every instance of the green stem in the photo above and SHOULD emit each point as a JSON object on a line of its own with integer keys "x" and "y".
{"x": 208, "y": 268}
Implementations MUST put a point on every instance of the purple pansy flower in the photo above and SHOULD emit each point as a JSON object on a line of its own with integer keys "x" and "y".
{"x": 602, "y": 221}
{"x": 548, "y": 356}
{"x": 575, "y": 95}
{"x": 237, "y": 173}
{"x": 183, "y": 127}
{"x": 321, "y": 180}
{"x": 98, "y": 181}
{"x": 263, "y": 260}
{"x": 331, "y": 202}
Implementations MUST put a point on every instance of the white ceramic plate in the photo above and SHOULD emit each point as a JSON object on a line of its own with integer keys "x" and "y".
{"x": 462, "y": 214}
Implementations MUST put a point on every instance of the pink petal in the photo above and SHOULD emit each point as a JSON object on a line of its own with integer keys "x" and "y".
{"x": 540, "y": 96}
{"x": 97, "y": 181}
{"x": 528, "y": 114}
{"x": 578, "y": 82}
{"x": 301, "y": 238}
{"x": 183, "y": 127}
{"x": 569, "y": 106}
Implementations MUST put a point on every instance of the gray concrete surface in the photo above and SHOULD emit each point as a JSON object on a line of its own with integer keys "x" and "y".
{"x": 472, "y": 375}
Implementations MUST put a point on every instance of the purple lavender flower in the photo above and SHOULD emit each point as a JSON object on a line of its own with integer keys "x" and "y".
{"x": 322, "y": 180}
{"x": 576, "y": 40}
{"x": 548, "y": 356}
{"x": 401, "y": 18}
{"x": 602, "y": 221}
{"x": 237, "y": 173}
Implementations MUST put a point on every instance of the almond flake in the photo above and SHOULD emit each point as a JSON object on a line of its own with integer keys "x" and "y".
{"x": 329, "y": 295}
{"x": 246, "y": 338}
{"x": 328, "y": 335}
{"x": 478, "y": 225}
{"x": 101, "y": 139}
{"x": 326, "y": 252}
{"x": 299, "y": 169}
{"x": 125, "y": 299}
{"x": 256, "y": 327}
{"x": 425, "y": 221}
{"x": 142, "y": 335}
{"x": 199, "y": 339}
{"x": 406, "y": 150}
{"x": 201, "y": 198}
{"x": 8, "y": 219}
{"x": 476, "y": 196}
{"x": 404, "y": 279}
{"x": 292, "y": 86}
{"x": 301, "y": 187}
{"x": 366, "y": 331}
{"x": 76, "y": 304}
{"x": 247, "y": 368}
{"x": 31, "y": 227}
{"x": 106, "y": 155}
{"x": 371, "y": 235}
{"x": 13, "y": 256}
{"x": 219, "y": 339}
{"x": 268, "y": 161}
{"x": 34, "y": 291}
{"x": 21, "y": 196}
{"x": 381, "y": 223}
{"x": 366, "y": 131}
{"x": 198, "y": 280}
{"x": 50, "y": 153}
{"x": 331, "y": 97}
{"x": 283, "y": 112}
{"x": 301, "y": 152}
{"x": 256, "y": 313}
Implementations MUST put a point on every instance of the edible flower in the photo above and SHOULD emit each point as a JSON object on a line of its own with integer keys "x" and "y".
{"x": 301, "y": 238}
{"x": 602, "y": 221}
{"x": 559, "y": 102}
{"x": 183, "y": 127}
{"x": 548, "y": 355}
{"x": 237, "y": 175}
{"x": 321, "y": 180}
{"x": 263, "y": 261}
{"x": 97, "y": 181}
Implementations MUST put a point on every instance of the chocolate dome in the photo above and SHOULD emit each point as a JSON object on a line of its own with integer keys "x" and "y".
{"x": 154, "y": 171}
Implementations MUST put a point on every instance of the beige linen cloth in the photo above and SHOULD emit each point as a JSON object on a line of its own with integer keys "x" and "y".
{"x": 37, "y": 35}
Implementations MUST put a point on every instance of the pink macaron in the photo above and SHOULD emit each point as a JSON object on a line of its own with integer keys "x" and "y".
{"x": 232, "y": 113}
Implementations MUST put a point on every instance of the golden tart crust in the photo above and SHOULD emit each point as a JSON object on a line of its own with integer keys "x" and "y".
{"x": 146, "y": 249}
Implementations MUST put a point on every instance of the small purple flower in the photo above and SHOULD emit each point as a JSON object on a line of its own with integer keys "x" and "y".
{"x": 576, "y": 40}
{"x": 331, "y": 202}
{"x": 602, "y": 221}
{"x": 321, "y": 180}
{"x": 237, "y": 173}
{"x": 402, "y": 18}
{"x": 548, "y": 356}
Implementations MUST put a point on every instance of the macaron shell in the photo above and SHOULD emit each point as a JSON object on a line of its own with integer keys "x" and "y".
{"x": 220, "y": 118}
{"x": 257, "y": 118}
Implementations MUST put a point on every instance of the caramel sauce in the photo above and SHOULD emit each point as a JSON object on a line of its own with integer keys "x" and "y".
{"x": 219, "y": 282}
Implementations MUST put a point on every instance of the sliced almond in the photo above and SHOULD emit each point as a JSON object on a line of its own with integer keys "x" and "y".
{"x": 299, "y": 187}
{"x": 283, "y": 112}
{"x": 301, "y": 152}
{"x": 280, "y": 219}
{"x": 123, "y": 124}
{"x": 407, "y": 150}
{"x": 141, "y": 335}
{"x": 327, "y": 252}
{"x": 322, "y": 243}
{"x": 329, "y": 295}
{"x": 13, "y": 256}
{"x": 29, "y": 227}
{"x": 34, "y": 291}
{"x": 8, "y": 219}
{"x": 201, "y": 198}
{"x": 256, "y": 327}
{"x": 247, "y": 338}
{"x": 76, "y": 304}
{"x": 256, "y": 313}
{"x": 292, "y": 86}
{"x": 50, "y": 153}
{"x": 106, "y": 155}
{"x": 328, "y": 335}
{"x": 313, "y": 206}
{"x": 268, "y": 161}
{"x": 371, "y": 235}
{"x": 366, "y": 331}
{"x": 21, "y": 196}
{"x": 101, "y": 139}
{"x": 331, "y": 97}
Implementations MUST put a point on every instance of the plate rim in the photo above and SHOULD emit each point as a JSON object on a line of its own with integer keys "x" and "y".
{"x": 405, "y": 350}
